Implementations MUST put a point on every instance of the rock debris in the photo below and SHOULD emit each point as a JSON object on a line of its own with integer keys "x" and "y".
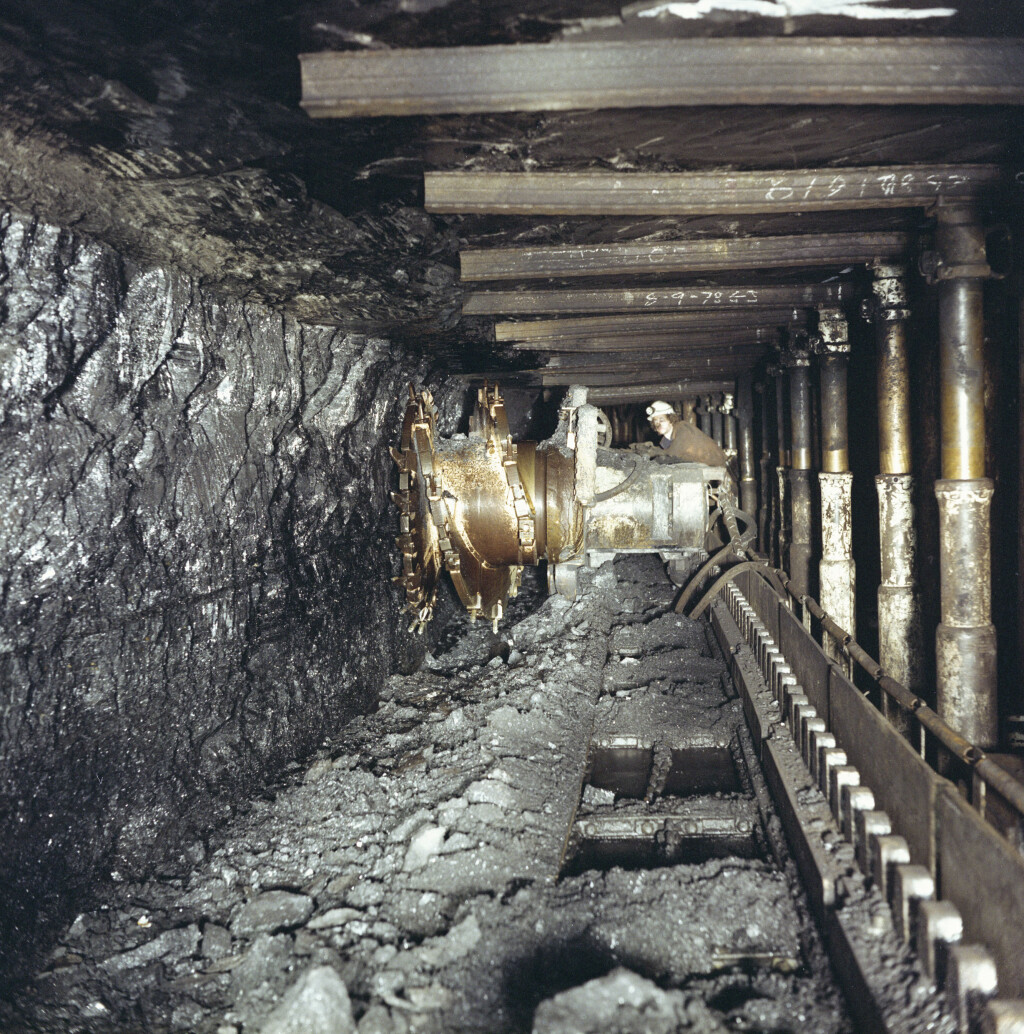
{"x": 412, "y": 877}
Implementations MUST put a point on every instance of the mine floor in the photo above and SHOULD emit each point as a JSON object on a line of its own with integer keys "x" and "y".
{"x": 557, "y": 828}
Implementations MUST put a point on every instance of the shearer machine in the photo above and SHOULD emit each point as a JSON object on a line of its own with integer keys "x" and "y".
{"x": 483, "y": 506}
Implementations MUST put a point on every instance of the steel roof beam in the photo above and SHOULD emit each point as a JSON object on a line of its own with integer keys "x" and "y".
{"x": 657, "y": 299}
{"x": 602, "y": 395}
{"x": 706, "y": 370}
{"x": 659, "y": 73}
{"x": 706, "y": 193}
{"x": 606, "y": 362}
{"x": 625, "y": 394}
{"x": 714, "y": 255}
{"x": 653, "y": 323}
{"x": 636, "y": 341}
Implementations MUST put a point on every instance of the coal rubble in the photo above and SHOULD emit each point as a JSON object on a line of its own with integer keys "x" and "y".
{"x": 417, "y": 875}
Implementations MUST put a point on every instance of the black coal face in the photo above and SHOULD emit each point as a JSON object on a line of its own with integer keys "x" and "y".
{"x": 198, "y": 549}
{"x": 197, "y": 538}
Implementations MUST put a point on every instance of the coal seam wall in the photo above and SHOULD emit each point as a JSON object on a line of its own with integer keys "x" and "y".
{"x": 195, "y": 558}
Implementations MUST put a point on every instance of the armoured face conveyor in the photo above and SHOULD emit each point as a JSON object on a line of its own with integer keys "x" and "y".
{"x": 483, "y": 506}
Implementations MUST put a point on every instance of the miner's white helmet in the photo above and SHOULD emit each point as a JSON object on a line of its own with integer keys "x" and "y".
{"x": 656, "y": 409}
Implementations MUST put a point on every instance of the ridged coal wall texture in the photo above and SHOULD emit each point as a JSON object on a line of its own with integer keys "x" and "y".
{"x": 196, "y": 543}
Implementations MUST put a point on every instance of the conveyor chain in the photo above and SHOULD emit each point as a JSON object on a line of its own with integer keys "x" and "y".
{"x": 934, "y": 859}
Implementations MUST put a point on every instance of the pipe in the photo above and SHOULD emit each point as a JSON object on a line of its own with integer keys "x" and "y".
{"x": 801, "y": 548}
{"x": 782, "y": 454}
{"x": 900, "y": 633}
{"x": 743, "y": 419}
{"x": 729, "y": 421}
{"x": 888, "y": 309}
{"x": 961, "y": 244}
{"x": 717, "y": 429}
{"x": 765, "y": 518}
{"x": 965, "y": 641}
{"x": 835, "y": 443}
{"x": 836, "y": 571}
{"x": 799, "y": 362}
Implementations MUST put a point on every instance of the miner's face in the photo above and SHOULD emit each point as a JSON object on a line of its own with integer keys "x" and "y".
{"x": 661, "y": 425}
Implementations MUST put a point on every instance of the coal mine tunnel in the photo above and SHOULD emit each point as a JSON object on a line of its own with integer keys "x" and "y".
{"x": 511, "y": 516}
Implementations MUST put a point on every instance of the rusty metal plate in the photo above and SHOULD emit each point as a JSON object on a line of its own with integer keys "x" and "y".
{"x": 982, "y": 875}
{"x": 809, "y": 664}
{"x": 903, "y": 784}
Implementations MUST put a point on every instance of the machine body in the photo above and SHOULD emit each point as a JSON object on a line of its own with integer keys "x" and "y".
{"x": 482, "y": 506}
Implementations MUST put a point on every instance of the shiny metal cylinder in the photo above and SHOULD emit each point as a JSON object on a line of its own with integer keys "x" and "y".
{"x": 889, "y": 311}
{"x": 960, "y": 242}
{"x": 835, "y": 439}
{"x": 962, "y": 375}
{"x": 748, "y": 477}
{"x": 900, "y": 636}
{"x": 800, "y": 559}
{"x": 837, "y": 570}
{"x": 800, "y": 412}
{"x": 894, "y": 456}
{"x": 965, "y": 641}
{"x": 729, "y": 436}
{"x": 781, "y": 414}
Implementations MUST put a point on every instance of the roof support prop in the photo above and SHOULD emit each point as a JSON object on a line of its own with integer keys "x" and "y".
{"x": 965, "y": 641}
{"x": 900, "y": 635}
{"x": 837, "y": 572}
